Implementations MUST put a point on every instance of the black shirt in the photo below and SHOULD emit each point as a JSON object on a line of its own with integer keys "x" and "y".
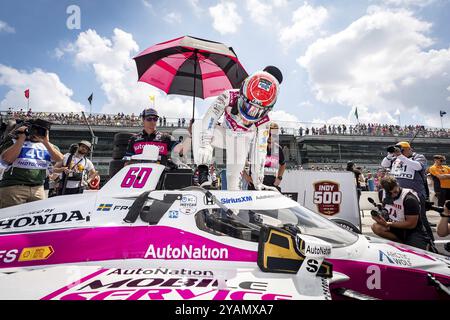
{"x": 272, "y": 159}
{"x": 165, "y": 142}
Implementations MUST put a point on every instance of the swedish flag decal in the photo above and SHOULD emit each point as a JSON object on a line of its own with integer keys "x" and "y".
{"x": 104, "y": 207}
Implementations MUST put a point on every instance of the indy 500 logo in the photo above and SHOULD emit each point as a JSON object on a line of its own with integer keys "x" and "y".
{"x": 327, "y": 197}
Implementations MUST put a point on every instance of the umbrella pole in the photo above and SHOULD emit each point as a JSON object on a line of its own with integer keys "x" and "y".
{"x": 195, "y": 82}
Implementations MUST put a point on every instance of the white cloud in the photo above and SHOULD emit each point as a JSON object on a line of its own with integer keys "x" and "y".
{"x": 319, "y": 122}
{"x": 280, "y": 3}
{"x": 306, "y": 22}
{"x": 47, "y": 92}
{"x": 380, "y": 63}
{"x": 4, "y": 27}
{"x": 115, "y": 71}
{"x": 59, "y": 52}
{"x": 284, "y": 119}
{"x": 260, "y": 12}
{"x": 225, "y": 17}
{"x": 408, "y": 3}
{"x": 173, "y": 17}
{"x": 147, "y": 4}
{"x": 195, "y": 5}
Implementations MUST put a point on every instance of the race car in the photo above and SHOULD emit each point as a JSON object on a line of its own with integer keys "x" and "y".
{"x": 131, "y": 241}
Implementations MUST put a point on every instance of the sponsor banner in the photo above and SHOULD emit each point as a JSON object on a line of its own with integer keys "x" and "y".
{"x": 313, "y": 250}
{"x": 172, "y": 284}
{"x": 188, "y": 204}
{"x": 236, "y": 200}
{"x": 23, "y": 222}
{"x": 36, "y": 253}
{"x": 111, "y": 207}
{"x": 156, "y": 243}
{"x": 327, "y": 197}
{"x": 139, "y": 147}
{"x": 397, "y": 258}
{"x": 173, "y": 214}
{"x": 186, "y": 252}
{"x": 331, "y": 194}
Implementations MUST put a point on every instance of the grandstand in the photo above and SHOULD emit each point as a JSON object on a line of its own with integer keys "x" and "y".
{"x": 305, "y": 145}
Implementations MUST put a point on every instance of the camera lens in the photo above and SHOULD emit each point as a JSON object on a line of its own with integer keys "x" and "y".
{"x": 390, "y": 149}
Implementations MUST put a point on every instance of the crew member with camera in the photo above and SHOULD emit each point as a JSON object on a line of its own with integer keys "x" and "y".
{"x": 151, "y": 136}
{"x": 398, "y": 218}
{"x": 28, "y": 154}
{"x": 73, "y": 167}
{"x": 408, "y": 168}
{"x": 443, "y": 228}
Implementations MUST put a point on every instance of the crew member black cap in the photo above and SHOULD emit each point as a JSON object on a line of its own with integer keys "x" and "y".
{"x": 149, "y": 113}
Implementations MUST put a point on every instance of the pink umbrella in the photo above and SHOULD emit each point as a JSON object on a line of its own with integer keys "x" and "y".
{"x": 190, "y": 66}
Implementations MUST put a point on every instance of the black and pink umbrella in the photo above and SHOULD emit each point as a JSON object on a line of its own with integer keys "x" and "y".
{"x": 190, "y": 66}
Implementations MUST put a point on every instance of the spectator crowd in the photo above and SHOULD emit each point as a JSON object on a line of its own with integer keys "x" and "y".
{"x": 375, "y": 129}
{"x": 73, "y": 118}
{"x": 133, "y": 120}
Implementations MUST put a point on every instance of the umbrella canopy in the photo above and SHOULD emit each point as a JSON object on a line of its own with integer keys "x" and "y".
{"x": 190, "y": 66}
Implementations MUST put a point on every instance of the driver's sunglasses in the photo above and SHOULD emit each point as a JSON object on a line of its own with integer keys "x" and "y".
{"x": 152, "y": 118}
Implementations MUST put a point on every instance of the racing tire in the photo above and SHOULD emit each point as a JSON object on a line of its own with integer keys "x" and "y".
{"x": 346, "y": 225}
{"x": 115, "y": 166}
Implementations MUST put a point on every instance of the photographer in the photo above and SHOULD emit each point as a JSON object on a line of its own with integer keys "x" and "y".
{"x": 28, "y": 154}
{"x": 74, "y": 167}
{"x": 399, "y": 218}
{"x": 443, "y": 228}
{"x": 408, "y": 168}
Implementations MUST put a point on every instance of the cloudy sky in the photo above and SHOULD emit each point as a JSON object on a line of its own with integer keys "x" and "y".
{"x": 388, "y": 58}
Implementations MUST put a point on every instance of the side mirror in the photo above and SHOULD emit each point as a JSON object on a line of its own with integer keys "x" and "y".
{"x": 282, "y": 251}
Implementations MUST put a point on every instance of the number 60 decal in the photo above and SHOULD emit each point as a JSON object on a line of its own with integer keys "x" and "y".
{"x": 136, "y": 178}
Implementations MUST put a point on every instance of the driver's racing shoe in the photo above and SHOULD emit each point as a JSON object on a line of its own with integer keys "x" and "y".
{"x": 203, "y": 176}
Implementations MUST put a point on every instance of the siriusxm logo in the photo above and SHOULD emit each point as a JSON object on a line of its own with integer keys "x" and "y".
{"x": 236, "y": 200}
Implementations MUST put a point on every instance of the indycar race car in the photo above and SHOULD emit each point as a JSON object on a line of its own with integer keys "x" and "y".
{"x": 131, "y": 241}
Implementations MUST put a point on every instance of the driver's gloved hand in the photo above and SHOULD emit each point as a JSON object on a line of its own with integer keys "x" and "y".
{"x": 205, "y": 154}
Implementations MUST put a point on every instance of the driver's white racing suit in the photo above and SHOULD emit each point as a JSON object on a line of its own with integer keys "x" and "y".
{"x": 240, "y": 139}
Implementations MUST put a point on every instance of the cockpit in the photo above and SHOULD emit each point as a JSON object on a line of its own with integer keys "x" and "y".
{"x": 246, "y": 224}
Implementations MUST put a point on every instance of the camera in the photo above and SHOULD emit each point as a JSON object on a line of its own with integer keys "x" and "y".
{"x": 35, "y": 127}
{"x": 430, "y": 206}
{"x": 73, "y": 148}
{"x": 379, "y": 211}
{"x": 393, "y": 149}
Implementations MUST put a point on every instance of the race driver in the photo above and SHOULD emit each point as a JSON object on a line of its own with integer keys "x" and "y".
{"x": 166, "y": 143}
{"x": 244, "y": 129}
